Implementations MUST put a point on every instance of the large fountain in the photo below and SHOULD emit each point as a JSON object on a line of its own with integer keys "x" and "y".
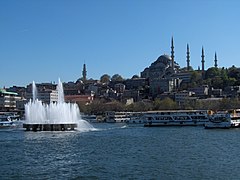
{"x": 59, "y": 116}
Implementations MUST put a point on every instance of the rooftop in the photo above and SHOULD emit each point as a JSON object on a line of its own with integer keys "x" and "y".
{"x": 3, "y": 91}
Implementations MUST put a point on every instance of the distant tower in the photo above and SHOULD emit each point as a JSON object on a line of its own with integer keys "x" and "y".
{"x": 188, "y": 58}
{"x": 203, "y": 61}
{"x": 198, "y": 68}
{"x": 215, "y": 61}
{"x": 84, "y": 72}
{"x": 172, "y": 54}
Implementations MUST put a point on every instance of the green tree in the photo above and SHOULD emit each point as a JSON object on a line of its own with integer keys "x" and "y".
{"x": 196, "y": 79}
{"x": 212, "y": 72}
{"x": 217, "y": 82}
{"x": 207, "y": 104}
{"x": 105, "y": 78}
{"x": 117, "y": 77}
{"x": 234, "y": 72}
{"x": 165, "y": 104}
{"x": 230, "y": 82}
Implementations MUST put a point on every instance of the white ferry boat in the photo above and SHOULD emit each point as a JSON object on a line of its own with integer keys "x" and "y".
{"x": 174, "y": 118}
{"x": 117, "y": 117}
{"x": 219, "y": 120}
{"x": 137, "y": 119}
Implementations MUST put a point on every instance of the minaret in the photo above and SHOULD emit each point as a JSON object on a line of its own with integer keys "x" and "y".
{"x": 203, "y": 61}
{"x": 198, "y": 68}
{"x": 215, "y": 61}
{"x": 188, "y": 58}
{"x": 84, "y": 73}
{"x": 172, "y": 54}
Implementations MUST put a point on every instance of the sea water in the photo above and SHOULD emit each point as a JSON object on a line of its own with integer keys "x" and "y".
{"x": 119, "y": 151}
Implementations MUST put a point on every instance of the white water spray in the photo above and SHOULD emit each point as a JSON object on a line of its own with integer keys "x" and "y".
{"x": 61, "y": 112}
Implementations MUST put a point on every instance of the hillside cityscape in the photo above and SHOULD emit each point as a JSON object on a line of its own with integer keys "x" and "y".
{"x": 119, "y": 89}
{"x": 163, "y": 85}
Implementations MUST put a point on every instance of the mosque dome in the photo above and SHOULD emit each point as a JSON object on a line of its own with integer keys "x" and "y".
{"x": 163, "y": 59}
{"x": 79, "y": 81}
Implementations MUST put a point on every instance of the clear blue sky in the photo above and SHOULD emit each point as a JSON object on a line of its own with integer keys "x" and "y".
{"x": 42, "y": 40}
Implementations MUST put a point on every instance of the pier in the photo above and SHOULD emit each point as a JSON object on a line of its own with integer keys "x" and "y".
{"x": 50, "y": 127}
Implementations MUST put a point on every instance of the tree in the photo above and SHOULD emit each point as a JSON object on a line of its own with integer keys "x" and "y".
{"x": 135, "y": 76}
{"x": 105, "y": 78}
{"x": 212, "y": 72}
{"x": 217, "y": 82}
{"x": 116, "y": 77}
{"x": 234, "y": 72}
{"x": 165, "y": 104}
{"x": 140, "y": 106}
{"x": 196, "y": 79}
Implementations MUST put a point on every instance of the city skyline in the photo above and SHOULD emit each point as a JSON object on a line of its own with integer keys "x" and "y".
{"x": 45, "y": 40}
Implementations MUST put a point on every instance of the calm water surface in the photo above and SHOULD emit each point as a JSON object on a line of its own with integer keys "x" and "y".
{"x": 119, "y": 151}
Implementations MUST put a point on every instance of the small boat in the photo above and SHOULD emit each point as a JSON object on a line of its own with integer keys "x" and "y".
{"x": 235, "y": 118}
{"x": 219, "y": 121}
{"x": 6, "y": 122}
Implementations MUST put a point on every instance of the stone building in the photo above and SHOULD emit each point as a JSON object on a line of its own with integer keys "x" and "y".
{"x": 160, "y": 75}
{"x": 201, "y": 91}
{"x": 46, "y": 92}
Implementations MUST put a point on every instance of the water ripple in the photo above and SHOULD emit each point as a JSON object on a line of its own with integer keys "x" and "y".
{"x": 117, "y": 151}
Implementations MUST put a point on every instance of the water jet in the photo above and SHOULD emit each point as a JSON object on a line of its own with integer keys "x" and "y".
{"x": 56, "y": 116}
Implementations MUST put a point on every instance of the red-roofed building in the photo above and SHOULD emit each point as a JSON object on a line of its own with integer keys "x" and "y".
{"x": 86, "y": 99}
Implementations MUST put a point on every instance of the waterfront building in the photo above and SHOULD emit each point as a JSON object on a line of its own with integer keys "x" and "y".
{"x": 8, "y": 100}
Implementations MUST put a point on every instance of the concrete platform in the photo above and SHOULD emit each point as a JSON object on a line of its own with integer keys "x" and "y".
{"x": 50, "y": 127}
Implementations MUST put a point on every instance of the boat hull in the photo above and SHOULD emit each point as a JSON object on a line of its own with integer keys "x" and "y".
{"x": 167, "y": 123}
